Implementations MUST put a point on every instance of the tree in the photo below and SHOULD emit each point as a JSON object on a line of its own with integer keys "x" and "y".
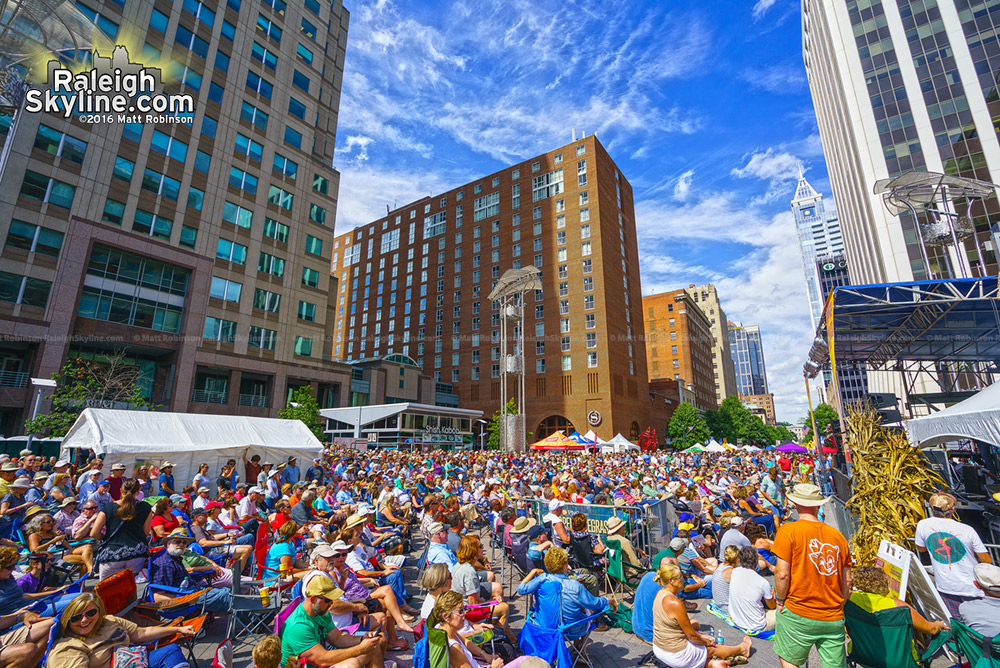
{"x": 306, "y": 409}
{"x": 495, "y": 423}
{"x": 739, "y": 424}
{"x": 109, "y": 382}
{"x": 824, "y": 414}
{"x": 687, "y": 427}
{"x": 781, "y": 433}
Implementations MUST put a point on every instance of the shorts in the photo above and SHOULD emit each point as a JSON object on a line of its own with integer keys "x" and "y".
{"x": 16, "y": 637}
{"x": 795, "y": 635}
{"x": 692, "y": 656}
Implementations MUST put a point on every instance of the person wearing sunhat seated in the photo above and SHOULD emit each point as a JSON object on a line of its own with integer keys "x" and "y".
{"x": 36, "y": 493}
{"x": 616, "y": 531}
{"x": 13, "y": 506}
{"x": 166, "y": 480}
{"x": 168, "y": 570}
{"x": 310, "y": 629}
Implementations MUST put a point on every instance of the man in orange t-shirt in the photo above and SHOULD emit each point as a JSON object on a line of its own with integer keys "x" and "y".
{"x": 812, "y": 579}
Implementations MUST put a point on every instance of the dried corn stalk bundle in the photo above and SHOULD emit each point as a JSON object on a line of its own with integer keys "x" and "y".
{"x": 891, "y": 481}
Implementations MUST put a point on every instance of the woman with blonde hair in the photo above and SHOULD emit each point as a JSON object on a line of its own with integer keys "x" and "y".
{"x": 62, "y": 487}
{"x": 449, "y": 615}
{"x": 88, "y": 636}
{"x": 722, "y": 577}
{"x": 676, "y": 639}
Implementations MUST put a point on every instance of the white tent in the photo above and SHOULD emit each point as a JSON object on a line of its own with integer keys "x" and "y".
{"x": 591, "y": 437}
{"x": 750, "y": 448}
{"x": 977, "y": 417}
{"x": 618, "y": 444}
{"x": 714, "y": 446}
{"x": 188, "y": 440}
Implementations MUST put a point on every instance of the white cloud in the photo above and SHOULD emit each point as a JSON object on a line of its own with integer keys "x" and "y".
{"x": 778, "y": 168}
{"x": 785, "y": 79}
{"x": 366, "y": 191}
{"x": 357, "y": 141}
{"x": 761, "y": 7}
{"x": 683, "y": 186}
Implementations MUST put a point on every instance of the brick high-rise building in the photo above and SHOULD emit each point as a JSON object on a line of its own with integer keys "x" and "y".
{"x": 202, "y": 251}
{"x": 416, "y": 281}
{"x": 679, "y": 344}
{"x": 723, "y": 369}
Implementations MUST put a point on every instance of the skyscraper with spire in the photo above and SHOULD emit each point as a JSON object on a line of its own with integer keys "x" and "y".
{"x": 819, "y": 237}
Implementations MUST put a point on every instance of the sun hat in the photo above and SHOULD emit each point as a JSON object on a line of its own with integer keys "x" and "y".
{"x": 806, "y": 494}
{"x": 179, "y": 534}
{"x": 735, "y": 521}
{"x": 34, "y": 510}
{"x": 341, "y": 546}
{"x": 354, "y": 520}
{"x": 677, "y": 544}
{"x": 118, "y": 467}
{"x": 166, "y": 465}
{"x": 177, "y": 498}
{"x": 202, "y": 489}
{"x": 21, "y": 483}
{"x": 67, "y": 501}
{"x": 9, "y": 466}
{"x": 523, "y": 524}
{"x": 988, "y": 577}
{"x": 435, "y": 528}
{"x": 267, "y": 464}
{"x": 41, "y": 475}
{"x": 614, "y": 524}
{"x": 323, "y": 587}
{"x": 274, "y": 473}
{"x": 62, "y": 462}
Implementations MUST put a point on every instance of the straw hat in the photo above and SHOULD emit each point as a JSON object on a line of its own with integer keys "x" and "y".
{"x": 522, "y": 524}
{"x": 805, "y": 494}
{"x": 614, "y": 525}
{"x": 353, "y": 521}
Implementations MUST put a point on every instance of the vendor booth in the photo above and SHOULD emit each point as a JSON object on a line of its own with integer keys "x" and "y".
{"x": 558, "y": 442}
{"x": 188, "y": 440}
{"x": 619, "y": 444}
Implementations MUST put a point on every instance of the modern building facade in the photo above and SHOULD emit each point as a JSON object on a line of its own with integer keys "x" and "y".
{"x": 723, "y": 370}
{"x": 748, "y": 357}
{"x": 852, "y": 379}
{"x": 416, "y": 283}
{"x": 200, "y": 252}
{"x": 819, "y": 237}
{"x": 899, "y": 86}
{"x": 679, "y": 344}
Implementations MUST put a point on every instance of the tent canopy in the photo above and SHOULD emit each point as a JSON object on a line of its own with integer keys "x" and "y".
{"x": 618, "y": 444}
{"x": 556, "y": 441}
{"x": 713, "y": 446}
{"x": 188, "y": 440}
{"x": 977, "y": 417}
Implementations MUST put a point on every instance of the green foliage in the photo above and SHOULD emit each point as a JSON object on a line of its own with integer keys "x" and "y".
{"x": 111, "y": 382}
{"x": 733, "y": 422}
{"x": 687, "y": 427}
{"x": 781, "y": 433}
{"x": 824, "y": 414}
{"x": 494, "y": 425}
{"x": 307, "y": 411}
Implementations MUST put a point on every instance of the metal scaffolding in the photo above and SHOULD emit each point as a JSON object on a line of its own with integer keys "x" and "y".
{"x": 509, "y": 294}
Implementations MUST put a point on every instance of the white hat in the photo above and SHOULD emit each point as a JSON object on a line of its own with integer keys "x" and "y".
{"x": 62, "y": 462}
{"x": 340, "y": 546}
{"x": 256, "y": 489}
{"x": 21, "y": 483}
{"x": 556, "y": 504}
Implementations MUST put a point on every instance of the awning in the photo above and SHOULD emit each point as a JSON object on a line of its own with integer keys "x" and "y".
{"x": 977, "y": 418}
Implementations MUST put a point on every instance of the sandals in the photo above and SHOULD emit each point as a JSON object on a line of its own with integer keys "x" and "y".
{"x": 690, "y": 606}
{"x": 738, "y": 660}
{"x": 402, "y": 646}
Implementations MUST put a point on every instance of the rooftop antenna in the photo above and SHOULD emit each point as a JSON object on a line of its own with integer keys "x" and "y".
{"x": 574, "y": 134}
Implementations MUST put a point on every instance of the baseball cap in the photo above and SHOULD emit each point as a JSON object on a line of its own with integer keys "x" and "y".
{"x": 177, "y": 498}
{"x": 323, "y": 551}
{"x": 678, "y": 544}
{"x": 254, "y": 489}
{"x": 323, "y": 587}
{"x": 988, "y": 577}
{"x": 212, "y": 505}
{"x": 556, "y": 504}
{"x": 435, "y": 528}
{"x": 735, "y": 521}
{"x": 199, "y": 511}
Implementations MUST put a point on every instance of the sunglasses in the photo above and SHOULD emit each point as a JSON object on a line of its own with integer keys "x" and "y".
{"x": 89, "y": 614}
{"x": 340, "y": 555}
{"x": 48, "y": 521}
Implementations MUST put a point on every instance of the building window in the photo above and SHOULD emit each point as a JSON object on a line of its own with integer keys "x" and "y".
{"x": 218, "y": 329}
{"x": 540, "y": 366}
{"x": 303, "y": 346}
{"x": 262, "y": 338}
{"x": 310, "y": 277}
{"x": 307, "y": 311}
{"x": 279, "y": 197}
{"x": 226, "y": 290}
{"x": 567, "y": 363}
{"x": 270, "y": 264}
{"x": 60, "y": 144}
{"x": 152, "y": 225}
{"x": 266, "y": 300}
{"x": 591, "y": 360}
{"x": 243, "y": 180}
{"x": 34, "y": 238}
{"x": 237, "y": 215}
{"x": 275, "y": 230}
{"x": 590, "y": 321}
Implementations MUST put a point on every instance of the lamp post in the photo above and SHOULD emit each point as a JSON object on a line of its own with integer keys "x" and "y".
{"x": 482, "y": 434}
{"x": 40, "y": 384}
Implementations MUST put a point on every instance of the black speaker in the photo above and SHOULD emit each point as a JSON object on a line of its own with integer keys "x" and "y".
{"x": 973, "y": 481}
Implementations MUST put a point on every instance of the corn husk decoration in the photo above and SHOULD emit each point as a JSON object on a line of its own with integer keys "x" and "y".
{"x": 891, "y": 481}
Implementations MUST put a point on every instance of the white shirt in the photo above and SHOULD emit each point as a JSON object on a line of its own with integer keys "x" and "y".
{"x": 200, "y": 502}
{"x": 747, "y": 592}
{"x": 340, "y": 621}
{"x": 246, "y": 508}
{"x": 356, "y": 559}
{"x": 952, "y": 547}
{"x": 553, "y": 519}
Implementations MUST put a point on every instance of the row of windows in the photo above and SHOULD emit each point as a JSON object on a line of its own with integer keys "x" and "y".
{"x": 219, "y": 329}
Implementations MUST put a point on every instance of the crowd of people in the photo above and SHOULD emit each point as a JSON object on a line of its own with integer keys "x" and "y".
{"x": 340, "y": 531}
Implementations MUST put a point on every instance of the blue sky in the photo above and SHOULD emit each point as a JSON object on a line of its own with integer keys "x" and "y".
{"x": 704, "y": 106}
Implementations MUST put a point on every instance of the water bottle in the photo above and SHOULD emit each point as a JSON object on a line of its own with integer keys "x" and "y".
{"x": 719, "y": 639}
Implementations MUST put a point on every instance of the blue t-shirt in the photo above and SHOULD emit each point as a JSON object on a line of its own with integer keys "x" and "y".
{"x": 642, "y": 607}
{"x": 164, "y": 478}
{"x": 276, "y": 552}
{"x": 534, "y": 553}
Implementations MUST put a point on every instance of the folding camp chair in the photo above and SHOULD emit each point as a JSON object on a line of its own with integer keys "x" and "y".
{"x": 247, "y": 613}
{"x": 884, "y": 639}
{"x": 431, "y": 650}
{"x": 118, "y": 593}
{"x": 223, "y": 657}
{"x": 978, "y": 650}
{"x": 621, "y": 577}
{"x": 547, "y": 635}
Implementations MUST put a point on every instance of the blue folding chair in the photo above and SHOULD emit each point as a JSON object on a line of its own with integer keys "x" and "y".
{"x": 547, "y": 635}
